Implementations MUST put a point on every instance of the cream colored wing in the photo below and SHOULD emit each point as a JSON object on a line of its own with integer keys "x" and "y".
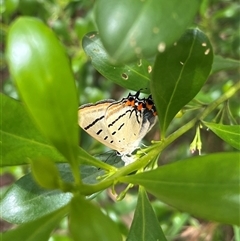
{"x": 91, "y": 118}
{"x": 124, "y": 124}
{"x": 149, "y": 120}
{"x": 128, "y": 125}
{"x": 116, "y": 124}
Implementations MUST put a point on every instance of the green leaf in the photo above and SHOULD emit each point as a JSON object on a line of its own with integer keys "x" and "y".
{"x": 38, "y": 230}
{"x": 25, "y": 201}
{"x": 19, "y": 203}
{"x": 136, "y": 29}
{"x": 179, "y": 73}
{"x": 46, "y": 173}
{"x": 230, "y": 134}
{"x": 145, "y": 226}
{"x": 205, "y": 186}
{"x": 221, "y": 63}
{"x": 42, "y": 73}
{"x": 87, "y": 222}
{"x": 21, "y": 140}
{"x": 133, "y": 76}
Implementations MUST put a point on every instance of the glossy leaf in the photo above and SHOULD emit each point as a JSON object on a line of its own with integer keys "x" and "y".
{"x": 136, "y": 29}
{"x": 133, "y": 76}
{"x": 145, "y": 226}
{"x": 221, "y": 63}
{"x": 42, "y": 73}
{"x": 19, "y": 203}
{"x": 206, "y": 186}
{"x": 25, "y": 201}
{"x": 21, "y": 140}
{"x": 38, "y": 230}
{"x": 230, "y": 134}
{"x": 179, "y": 73}
{"x": 87, "y": 222}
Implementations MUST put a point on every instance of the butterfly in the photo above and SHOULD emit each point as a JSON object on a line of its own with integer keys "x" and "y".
{"x": 120, "y": 125}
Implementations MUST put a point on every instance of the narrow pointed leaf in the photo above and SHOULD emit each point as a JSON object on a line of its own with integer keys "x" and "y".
{"x": 43, "y": 76}
{"x": 133, "y": 76}
{"x": 230, "y": 134}
{"x": 206, "y": 186}
{"x": 38, "y": 230}
{"x": 179, "y": 73}
{"x": 145, "y": 226}
{"x": 21, "y": 140}
{"x": 87, "y": 222}
{"x": 135, "y": 29}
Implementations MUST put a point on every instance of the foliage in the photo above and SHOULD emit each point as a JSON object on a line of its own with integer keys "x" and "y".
{"x": 158, "y": 50}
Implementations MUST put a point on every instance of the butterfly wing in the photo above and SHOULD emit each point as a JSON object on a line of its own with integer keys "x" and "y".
{"x": 91, "y": 118}
{"x": 120, "y": 125}
{"x": 149, "y": 120}
{"x": 124, "y": 123}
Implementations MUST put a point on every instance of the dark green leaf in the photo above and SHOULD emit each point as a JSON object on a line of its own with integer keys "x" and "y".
{"x": 179, "y": 73}
{"x": 25, "y": 201}
{"x": 145, "y": 226}
{"x": 87, "y": 222}
{"x": 133, "y": 76}
{"x": 21, "y": 141}
{"x": 230, "y": 134}
{"x": 220, "y": 63}
{"x": 136, "y": 29}
{"x": 205, "y": 186}
{"x": 38, "y": 230}
{"x": 42, "y": 73}
{"x": 19, "y": 203}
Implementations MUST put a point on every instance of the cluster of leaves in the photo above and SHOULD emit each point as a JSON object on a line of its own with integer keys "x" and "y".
{"x": 175, "y": 64}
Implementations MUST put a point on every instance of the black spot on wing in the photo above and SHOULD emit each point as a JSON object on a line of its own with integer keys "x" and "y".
{"x": 99, "y": 132}
{"x": 93, "y": 123}
{"x": 119, "y": 128}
